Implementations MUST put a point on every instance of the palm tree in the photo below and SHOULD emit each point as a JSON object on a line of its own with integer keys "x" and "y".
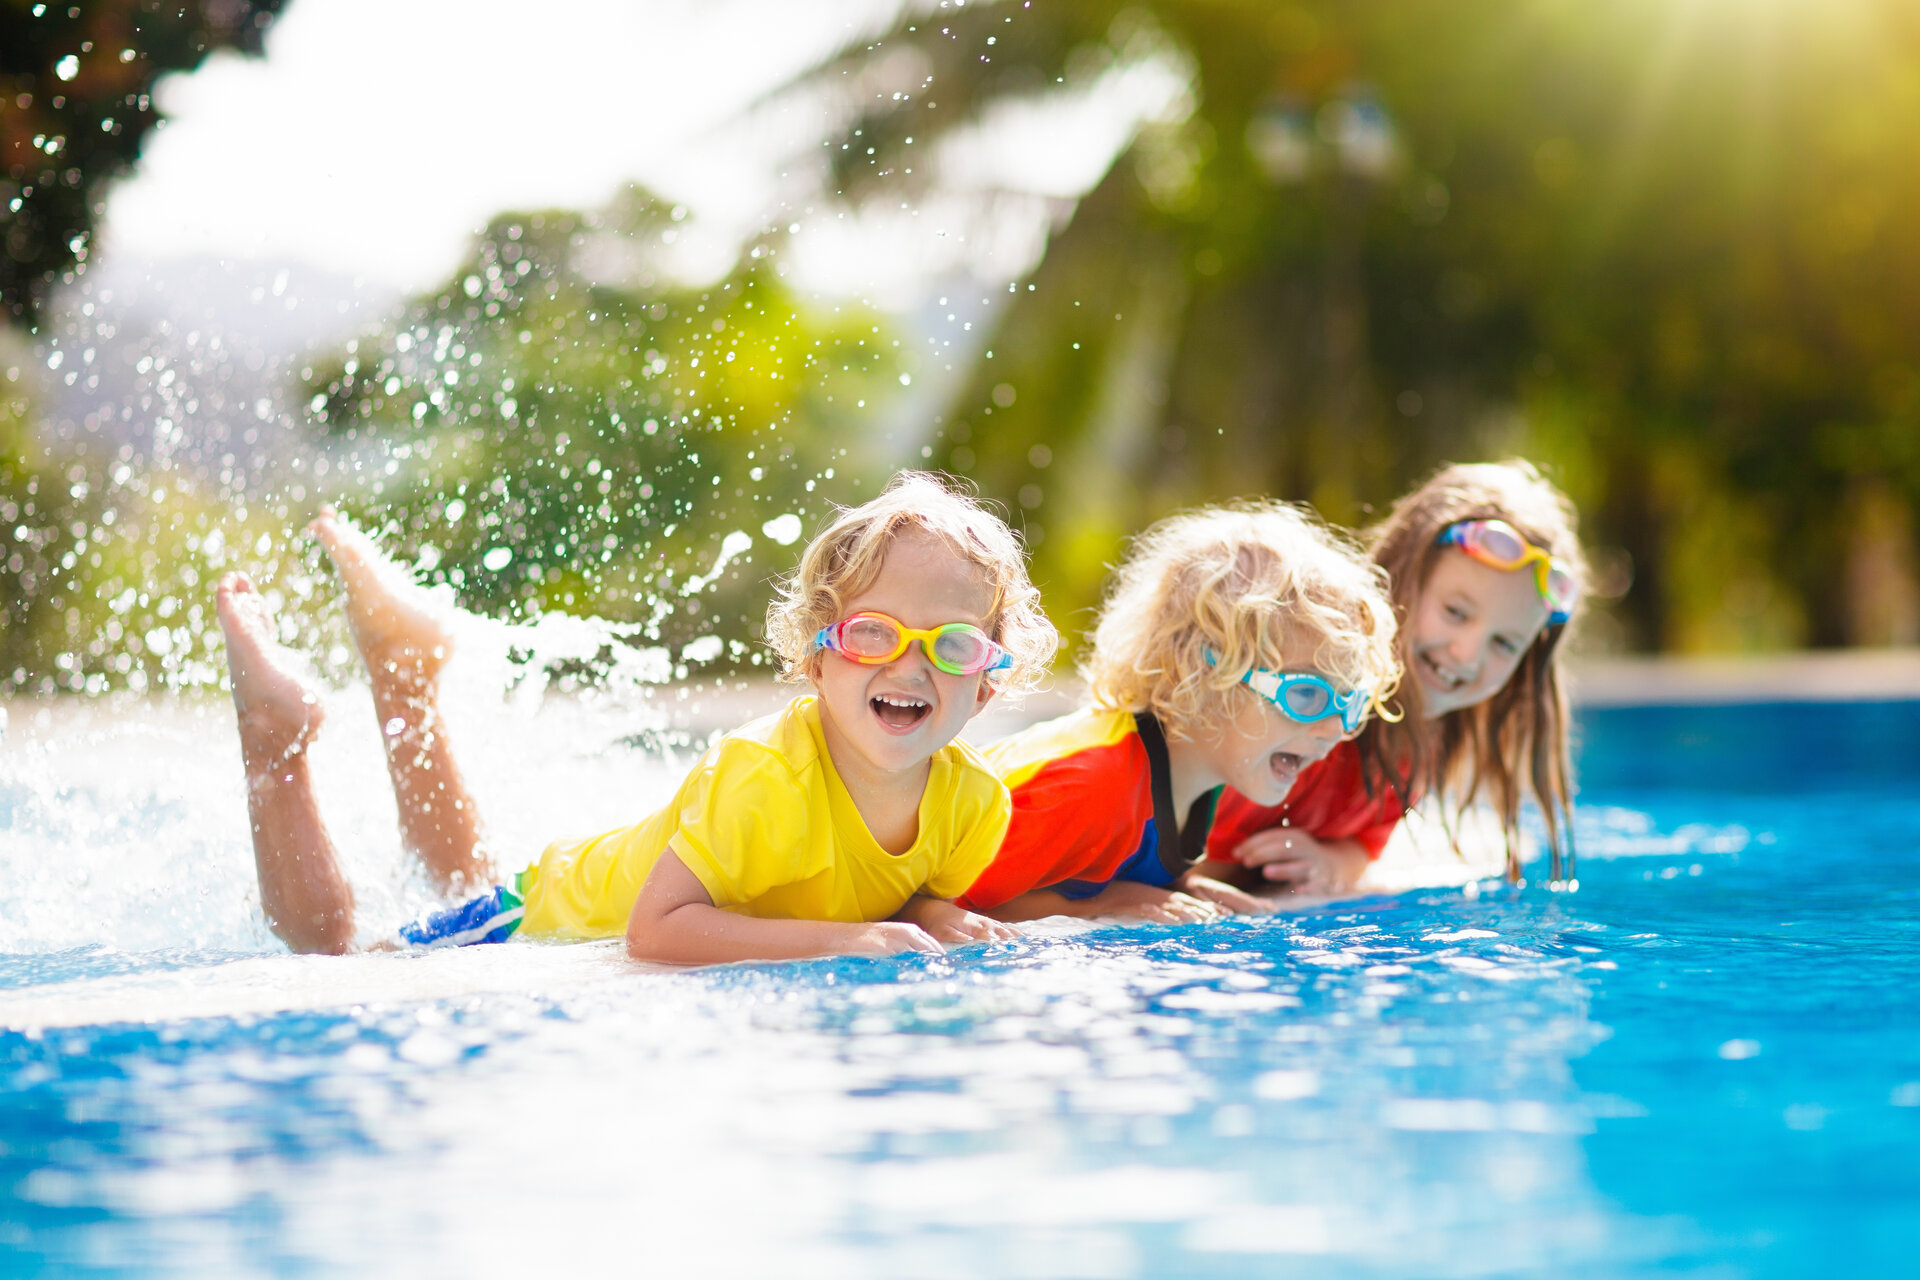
{"x": 1653, "y": 246}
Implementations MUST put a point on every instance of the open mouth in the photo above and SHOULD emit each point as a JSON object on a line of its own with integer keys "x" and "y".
{"x": 899, "y": 711}
{"x": 1438, "y": 678}
{"x": 1286, "y": 766}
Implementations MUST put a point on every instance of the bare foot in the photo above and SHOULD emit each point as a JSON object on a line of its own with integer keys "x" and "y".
{"x": 308, "y": 903}
{"x": 397, "y": 626}
{"x": 279, "y": 712}
{"x": 404, "y": 637}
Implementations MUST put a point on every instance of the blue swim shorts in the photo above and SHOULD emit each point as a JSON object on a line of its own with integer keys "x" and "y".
{"x": 492, "y": 917}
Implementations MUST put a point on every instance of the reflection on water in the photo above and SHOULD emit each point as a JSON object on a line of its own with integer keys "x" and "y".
{"x": 1356, "y": 1085}
{"x": 1662, "y": 1070}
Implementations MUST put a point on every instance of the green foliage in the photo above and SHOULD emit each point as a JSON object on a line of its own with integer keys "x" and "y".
{"x": 561, "y": 427}
{"x": 1664, "y": 249}
{"x": 101, "y": 568}
{"x": 1660, "y": 248}
{"x": 76, "y": 104}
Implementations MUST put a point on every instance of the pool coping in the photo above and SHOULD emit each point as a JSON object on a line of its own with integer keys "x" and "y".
{"x": 1840, "y": 675}
{"x": 1640, "y": 680}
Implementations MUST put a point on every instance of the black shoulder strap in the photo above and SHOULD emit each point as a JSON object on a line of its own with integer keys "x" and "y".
{"x": 1179, "y": 847}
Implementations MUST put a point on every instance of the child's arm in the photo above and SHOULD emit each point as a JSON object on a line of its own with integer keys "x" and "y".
{"x": 1119, "y": 898}
{"x": 1226, "y": 895}
{"x": 1288, "y": 858}
{"x": 950, "y": 922}
{"x": 674, "y": 921}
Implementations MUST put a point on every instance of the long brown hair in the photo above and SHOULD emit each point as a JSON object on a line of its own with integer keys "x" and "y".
{"x": 1517, "y": 738}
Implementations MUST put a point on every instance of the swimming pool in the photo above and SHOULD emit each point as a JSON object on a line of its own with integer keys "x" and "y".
{"x": 1707, "y": 1060}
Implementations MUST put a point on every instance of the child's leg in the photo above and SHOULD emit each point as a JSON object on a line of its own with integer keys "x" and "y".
{"x": 308, "y": 903}
{"x": 403, "y": 639}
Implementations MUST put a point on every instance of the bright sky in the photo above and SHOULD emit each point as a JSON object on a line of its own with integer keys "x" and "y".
{"x": 377, "y": 136}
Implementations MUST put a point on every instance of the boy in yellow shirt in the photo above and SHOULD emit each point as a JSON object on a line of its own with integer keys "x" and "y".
{"x": 840, "y": 825}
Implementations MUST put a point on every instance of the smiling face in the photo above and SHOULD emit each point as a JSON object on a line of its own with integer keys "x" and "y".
{"x": 1262, "y": 750}
{"x": 882, "y": 723}
{"x": 1470, "y": 627}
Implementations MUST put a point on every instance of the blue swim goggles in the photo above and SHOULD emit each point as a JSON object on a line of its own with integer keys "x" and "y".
{"x": 1307, "y": 698}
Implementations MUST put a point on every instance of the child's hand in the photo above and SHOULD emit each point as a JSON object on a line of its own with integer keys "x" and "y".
{"x": 1297, "y": 862}
{"x": 949, "y": 922}
{"x": 891, "y": 937}
{"x": 1150, "y": 902}
{"x": 1232, "y": 900}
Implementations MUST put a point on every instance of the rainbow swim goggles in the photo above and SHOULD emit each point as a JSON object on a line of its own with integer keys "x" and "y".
{"x": 957, "y": 648}
{"x": 1307, "y": 698}
{"x": 1499, "y": 545}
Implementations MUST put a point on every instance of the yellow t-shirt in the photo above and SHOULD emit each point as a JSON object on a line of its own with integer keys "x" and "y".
{"x": 767, "y": 826}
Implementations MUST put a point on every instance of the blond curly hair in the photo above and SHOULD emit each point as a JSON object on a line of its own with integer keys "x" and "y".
{"x": 1237, "y": 582}
{"x": 844, "y": 560}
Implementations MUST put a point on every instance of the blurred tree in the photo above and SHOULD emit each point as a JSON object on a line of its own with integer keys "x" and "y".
{"x": 76, "y": 104}
{"x": 1664, "y": 249}
{"x": 563, "y": 426}
{"x": 101, "y": 568}
{"x": 24, "y": 473}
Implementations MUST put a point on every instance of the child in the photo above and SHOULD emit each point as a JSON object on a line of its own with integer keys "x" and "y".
{"x": 1237, "y": 646}
{"x": 839, "y": 825}
{"x": 1486, "y": 573}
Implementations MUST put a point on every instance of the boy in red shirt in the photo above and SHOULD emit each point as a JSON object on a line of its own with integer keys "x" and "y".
{"x": 1237, "y": 647}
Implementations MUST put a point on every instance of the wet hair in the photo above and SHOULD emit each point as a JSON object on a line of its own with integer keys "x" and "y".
{"x": 1516, "y": 739}
{"x": 844, "y": 559}
{"x": 1240, "y": 581}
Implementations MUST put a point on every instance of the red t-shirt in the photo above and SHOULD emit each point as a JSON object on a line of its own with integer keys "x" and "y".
{"x": 1082, "y": 806}
{"x": 1329, "y": 801}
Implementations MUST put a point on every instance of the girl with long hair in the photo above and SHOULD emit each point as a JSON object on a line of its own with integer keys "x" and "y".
{"x": 1486, "y": 577}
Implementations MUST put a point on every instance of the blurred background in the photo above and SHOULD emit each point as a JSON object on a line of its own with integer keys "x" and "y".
{"x": 595, "y": 307}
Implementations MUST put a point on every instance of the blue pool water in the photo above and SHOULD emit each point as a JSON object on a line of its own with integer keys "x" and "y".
{"x": 1706, "y": 1061}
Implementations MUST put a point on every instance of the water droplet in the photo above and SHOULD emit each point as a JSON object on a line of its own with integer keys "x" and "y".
{"x": 784, "y": 530}
{"x": 704, "y": 649}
